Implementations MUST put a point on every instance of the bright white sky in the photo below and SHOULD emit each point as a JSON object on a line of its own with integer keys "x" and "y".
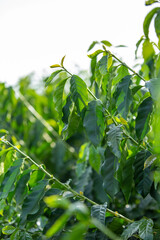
{"x": 38, "y": 33}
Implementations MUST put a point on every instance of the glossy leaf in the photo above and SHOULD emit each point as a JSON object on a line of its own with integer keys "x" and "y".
{"x": 99, "y": 212}
{"x": 150, "y": 160}
{"x": 94, "y": 122}
{"x": 142, "y": 176}
{"x": 108, "y": 170}
{"x": 114, "y": 137}
{"x": 143, "y": 117}
{"x": 123, "y": 96}
{"x": 58, "y": 96}
{"x": 146, "y": 229}
{"x": 31, "y": 202}
{"x": 78, "y": 92}
{"x": 148, "y": 19}
{"x": 130, "y": 230}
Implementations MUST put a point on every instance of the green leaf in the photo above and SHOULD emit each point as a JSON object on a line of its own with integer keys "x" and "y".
{"x": 127, "y": 178}
{"x": 148, "y": 19}
{"x": 92, "y": 45}
{"x": 95, "y": 54}
{"x": 31, "y": 202}
{"x": 142, "y": 176}
{"x": 58, "y": 96}
{"x": 143, "y": 117}
{"x": 35, "y": 177}
{"x": 79, "y": 92}
{"x": 58, "y": 225}
{"x": 107, "y": 43}
{"x": 93, "y": 122}
{"x": 56, "y": 201}
{"x": 121, "y": 72}
{"x": 99, "y": 212}
{"x": 21, "y": 186}
{"x": 130, "y": 230}
{"x": 53, "y": 75}
{"x": 7, "y": 230}
{"x": 145, "y": 229}
{"x": 154, "y": 87}
{"x": 83, "y": 180}
{"x": 114, "y": 136}
{"x": 2, "y": 206}
{"x": 150, "y": 160}
{"x": 74, "y": 123}
{"x": 108, "y": 170}
{"x": 83, "y": 158}
{"x": 102, "y": 65}
{"x": 157, "y": 24}
{"x": 94, "y": 158}
{"x": 80, "y": 210}
{"x": 147, "y": 50}
{"x": 8, "y": 184}
{"x": 77, "y": 232}
{"x": 123, "y": 96}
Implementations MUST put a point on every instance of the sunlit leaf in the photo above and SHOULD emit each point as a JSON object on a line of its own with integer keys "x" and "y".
{"x": 148, "y": 19}
{"x": 96, "y": 53}
{"x": 62, "y": 61}
{"x": 92, "y": 45}
{"x": 55, "y": 66}
{"x": 107, "y": 43}
{"x": 9, "y": 229}
{"x": 147, "y": 50}
{"x": 52, "y": 76}
{"x": 79, "y": 92}
{"x": 56, "y": 201}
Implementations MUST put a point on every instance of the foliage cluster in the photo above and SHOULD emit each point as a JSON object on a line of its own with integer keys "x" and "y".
{"x": 95, "y": 145}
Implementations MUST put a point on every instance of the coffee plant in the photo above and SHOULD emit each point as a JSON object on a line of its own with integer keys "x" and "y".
{"x": 80, "y": 157}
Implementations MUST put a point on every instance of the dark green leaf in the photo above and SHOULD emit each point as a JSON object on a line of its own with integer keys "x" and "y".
{"x": 99, "y": 212}
{"x": 157, "y": 24}
{"x": 79, "y": 92}
{"x": 114, "y": 136}
{"x": 130, "y": 230}
{"x": 94, "y": 122}
{"x": 123, "y": 96}
{"x": 143, "y": 117}
{"x": 31, "y": 202}
{"x": 148, "y": 19}
{"x": 77, "y": 232}
{"x": 108, "y": 170}
{"x": 102, "y": 64}
{"x": 8, "y": 184}
{"x": 142, "y": 176}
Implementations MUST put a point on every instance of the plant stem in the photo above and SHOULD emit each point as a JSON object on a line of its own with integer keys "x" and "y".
{"x": 63, "y": 185}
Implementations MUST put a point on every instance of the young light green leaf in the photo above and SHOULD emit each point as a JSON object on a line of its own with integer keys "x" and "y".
{"x": 121, "y": 72}
{"x": 95, "y": 54}
{"x": 58, "y": 225}
{"x": 148, "y": 19}
{"x": 78, "y": 92}
{"x": 143, "y": 117}
{"x": 107, "y": 43}
{"x": 146, "y": 229}
{"x": 55, "y": 66}
{"x": 123, "y": 96}
{"x": 9, "y": 229}
{"x": 92, "y": 45}
{"x": 53, "y": 75}
{"x": 147, "y": 50}
{"x": 99, "y": 212}
{"x": 56, "y": 201}
{"x": 93, "y": 122}
{"x": 94, "y": 158}
{"x": 2, "y": 206}
{"x": 77, "y": 232}
{"x": 114, "y": 136}
{"x": 62, "y": 61}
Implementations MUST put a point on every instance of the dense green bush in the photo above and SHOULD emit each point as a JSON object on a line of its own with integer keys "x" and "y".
{"x": 80, "y": 159}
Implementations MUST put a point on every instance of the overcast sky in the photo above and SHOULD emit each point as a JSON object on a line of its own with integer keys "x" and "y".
{"x": 38, "y": 33}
